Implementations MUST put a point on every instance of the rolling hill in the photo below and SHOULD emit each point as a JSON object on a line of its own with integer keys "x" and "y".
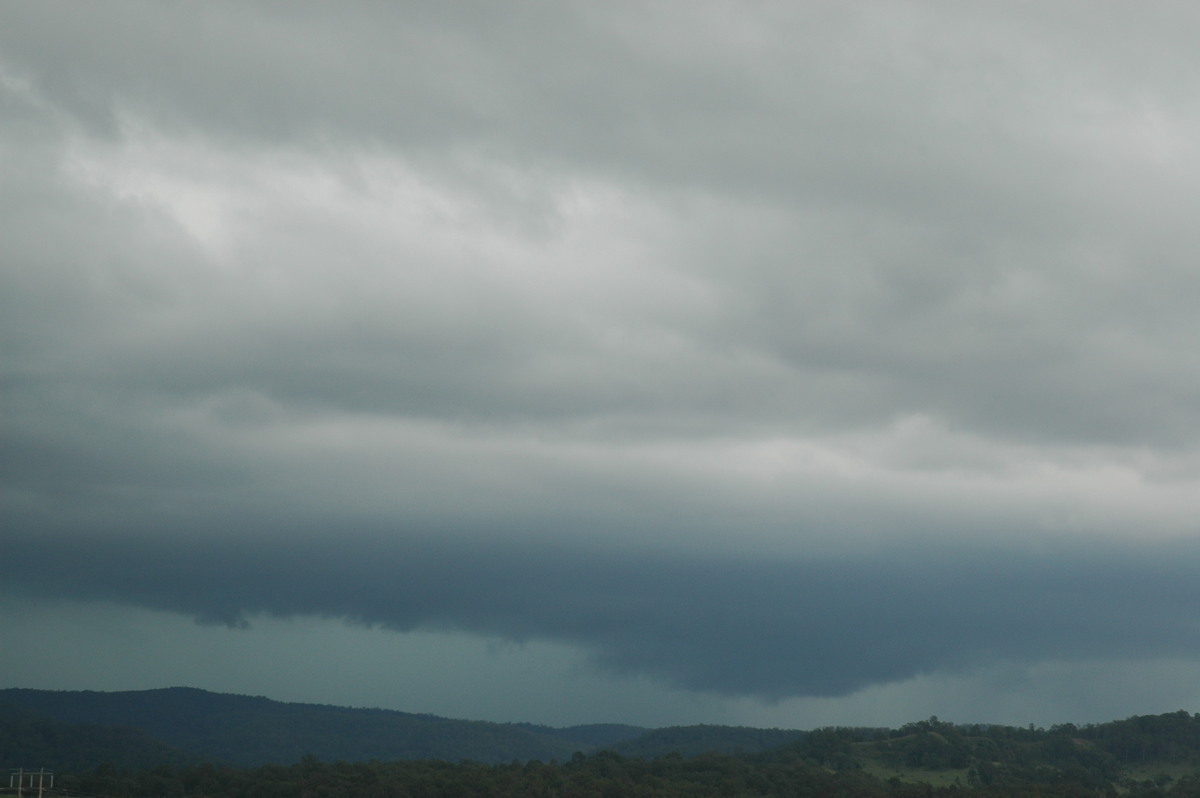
{"x": 247, "y": 731}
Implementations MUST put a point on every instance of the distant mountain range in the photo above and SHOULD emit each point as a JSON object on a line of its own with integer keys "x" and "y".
{"x": 182, "y": 742}
{"x": 76, "y": 730}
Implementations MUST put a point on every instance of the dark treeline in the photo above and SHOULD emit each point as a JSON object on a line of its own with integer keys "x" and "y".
{"x": 28, "y": 737}
{"x": 175, "y": 725}
{"x": 1142, "y": 757}
{"x": 602, "y": 775}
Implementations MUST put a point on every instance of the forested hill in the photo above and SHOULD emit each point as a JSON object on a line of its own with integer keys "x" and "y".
{"x": 180, "y": 724}
{"x": 589, "y": 736}
{"x": 1142, "y": 757}
{"x": 692, "y": 740}
{"x": 27, "y": 736}
{"x": 180, "y": 742}
{"x": 186, "y": 723}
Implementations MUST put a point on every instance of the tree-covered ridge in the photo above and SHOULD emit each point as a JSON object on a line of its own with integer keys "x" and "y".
{"x": 1140, "y": 754}
{"x": 27, "y": 736}
{"x": 939, "y": 761}
{"x": 588, "y": 736}
{"x": 249, "y": 731}
{"x": 703, "y": 739}
{"x": 1154, "y": 756}
{"x": 602, "y": 775}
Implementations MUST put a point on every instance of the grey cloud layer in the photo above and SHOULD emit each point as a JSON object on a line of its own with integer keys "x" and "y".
{"x": 1033, "y": 219}
{"x": 778, "y": 351}
{"x": 821, "y": 626}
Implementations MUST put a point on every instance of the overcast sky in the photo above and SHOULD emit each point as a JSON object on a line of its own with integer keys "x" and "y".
{"x": 768, "y": 363}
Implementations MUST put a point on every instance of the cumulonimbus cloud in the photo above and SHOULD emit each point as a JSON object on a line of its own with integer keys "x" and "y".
{"x": 813, "y": 349}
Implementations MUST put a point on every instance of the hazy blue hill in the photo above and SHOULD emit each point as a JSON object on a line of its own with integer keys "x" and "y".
{"x": 588, "y": 736}
{"x": 703, "y": 739}
{"x": 247, "y": 731}
{"x": 1151, "y": 756}
{"x": 29, "y": 739}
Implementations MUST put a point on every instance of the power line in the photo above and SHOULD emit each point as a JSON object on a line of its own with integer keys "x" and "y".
{"x": 19, "y": 776}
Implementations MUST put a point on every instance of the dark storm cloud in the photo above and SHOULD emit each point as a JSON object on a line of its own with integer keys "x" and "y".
{"x": 781, "y": 350}
{"x": 740, "y": 625}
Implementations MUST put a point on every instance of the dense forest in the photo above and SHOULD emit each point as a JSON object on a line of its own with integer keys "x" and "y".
{"x": 1153, "y": 756}
{"x": 248, "y": 731}
{"x": 141, "y": 729}
{"x": 1142, "y": 757}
